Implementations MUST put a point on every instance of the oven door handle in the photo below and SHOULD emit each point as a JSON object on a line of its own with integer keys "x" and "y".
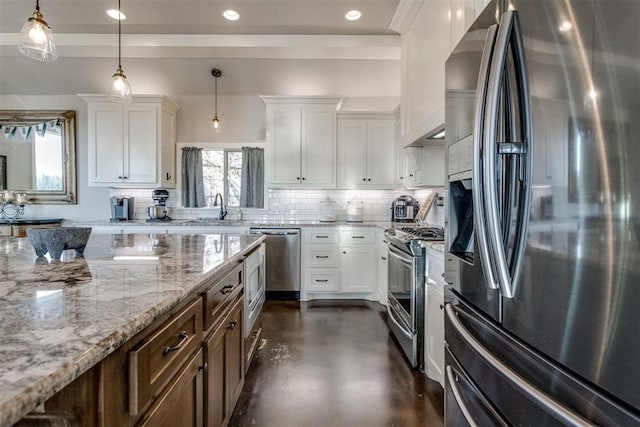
{"x": 399, "y": 324}
{"x": 531, "y": 391}
{"x": 401, "y": 256}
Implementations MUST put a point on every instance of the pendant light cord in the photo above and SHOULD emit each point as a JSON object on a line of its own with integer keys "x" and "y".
{"x": 38, "y": 5}
{"x": 119, "y": 37}
{"x": 215, "y": 112}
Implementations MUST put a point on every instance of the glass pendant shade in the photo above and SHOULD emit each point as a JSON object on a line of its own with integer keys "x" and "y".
{"x": 36, "y": 40}
{"x": 120, "y": 90}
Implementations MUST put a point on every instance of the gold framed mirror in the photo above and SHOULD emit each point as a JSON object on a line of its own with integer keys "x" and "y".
{"x": 38, "y": 152}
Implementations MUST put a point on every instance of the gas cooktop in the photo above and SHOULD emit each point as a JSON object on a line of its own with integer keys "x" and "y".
{"x": 425, "y": 233}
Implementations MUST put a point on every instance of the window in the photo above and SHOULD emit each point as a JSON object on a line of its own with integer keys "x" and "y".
{"x": 222, "y": 173}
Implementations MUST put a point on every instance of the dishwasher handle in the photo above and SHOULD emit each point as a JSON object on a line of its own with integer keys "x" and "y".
{"x": 275, "y": 233}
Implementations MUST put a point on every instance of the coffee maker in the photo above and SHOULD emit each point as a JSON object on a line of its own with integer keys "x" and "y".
{"x": 158, "y": 212}
{"x": 404, "y": 209}
{"x": 121, "y": 208}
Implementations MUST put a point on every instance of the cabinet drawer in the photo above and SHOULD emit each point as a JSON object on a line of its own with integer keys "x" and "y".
{"x": 322, "y": 236}
{"x": 159, "y": 356}
{"x": 322, "y": 256}
{"x": 323, "y": 280}
{"x": 221, "y": 295}
{"x": 357, "y": 236}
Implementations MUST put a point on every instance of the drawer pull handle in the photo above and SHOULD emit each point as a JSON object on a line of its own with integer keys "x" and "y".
{"x": 357, "y": 237}
{"x": 322, "y": 256}
{"x": 322, "y": 280}
{"x": 182, "y": 337}
{"x": 322, "y": 237}
{"x": 232, "y": 324}
{"x": 227, "y": 289}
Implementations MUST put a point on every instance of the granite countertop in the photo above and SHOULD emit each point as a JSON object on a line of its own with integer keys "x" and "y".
{"x": 30, "y": 221}
{"x": 61, "y": 318}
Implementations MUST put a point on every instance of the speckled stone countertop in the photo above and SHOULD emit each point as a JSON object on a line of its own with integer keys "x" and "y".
{"x": 61, "y": 318}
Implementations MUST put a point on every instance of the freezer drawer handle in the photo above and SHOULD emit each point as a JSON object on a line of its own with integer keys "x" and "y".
{"x": 554, "y": 408}
{"x": 453, "y": 383}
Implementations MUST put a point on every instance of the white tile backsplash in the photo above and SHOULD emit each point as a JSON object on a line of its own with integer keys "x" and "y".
{"x": 293, "y": 205}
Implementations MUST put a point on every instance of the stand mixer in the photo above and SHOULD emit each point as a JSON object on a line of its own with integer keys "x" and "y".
{"x": 158, "y": 212}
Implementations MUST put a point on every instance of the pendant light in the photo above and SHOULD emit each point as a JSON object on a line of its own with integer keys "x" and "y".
{"x": 215, "y": 122}
{"x": 120, "y": 90}
{"x": 36, "y": 40}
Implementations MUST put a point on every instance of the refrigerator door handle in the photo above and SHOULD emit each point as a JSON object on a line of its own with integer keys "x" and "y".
{"x": 494, "y": 232}
{"x": 478, "y": 150}
{"x": 552, "y": 406}
{"x": 527, "y": 157}
{"x": 458, "y": 397}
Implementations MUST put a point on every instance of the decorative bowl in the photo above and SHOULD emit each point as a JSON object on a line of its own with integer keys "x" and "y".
{"x": 56, "y": 240}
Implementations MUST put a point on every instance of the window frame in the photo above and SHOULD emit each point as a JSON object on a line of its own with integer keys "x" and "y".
{"x": 220, "y": 147}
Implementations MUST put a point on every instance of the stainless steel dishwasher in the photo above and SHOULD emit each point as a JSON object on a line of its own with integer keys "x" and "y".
{"x": 283, "y": 262}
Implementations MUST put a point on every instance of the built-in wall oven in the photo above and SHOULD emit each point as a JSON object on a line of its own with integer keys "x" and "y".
{"x": 406, "y": 293}
{"x": 254, "y": 287}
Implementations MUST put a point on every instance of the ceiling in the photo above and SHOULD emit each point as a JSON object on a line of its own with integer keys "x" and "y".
{"x": 277, "y": 47}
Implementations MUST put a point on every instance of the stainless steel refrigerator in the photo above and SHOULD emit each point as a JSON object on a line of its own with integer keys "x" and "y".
{"x": 543, "y": 220}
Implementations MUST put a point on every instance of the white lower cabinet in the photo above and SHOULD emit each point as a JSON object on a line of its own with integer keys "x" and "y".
{"x": 434, "y": 317}
{"x": 339, "y": 262}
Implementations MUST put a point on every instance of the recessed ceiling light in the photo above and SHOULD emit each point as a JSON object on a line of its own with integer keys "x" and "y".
{"x": 353, "y": 15}
{"x": 116, "y": 14}
{"x": 231, "y": 15}
{"x": 566, "y": 26}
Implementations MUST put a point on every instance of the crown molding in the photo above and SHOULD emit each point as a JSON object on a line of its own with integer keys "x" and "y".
{"x": 405, "y": 14}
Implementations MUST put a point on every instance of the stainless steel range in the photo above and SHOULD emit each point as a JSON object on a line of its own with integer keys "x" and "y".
{"x": 407, "y": 287}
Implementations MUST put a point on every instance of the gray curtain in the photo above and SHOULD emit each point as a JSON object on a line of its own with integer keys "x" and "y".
{"x": 192, "y": 181}
{"x": 252, "y": 187}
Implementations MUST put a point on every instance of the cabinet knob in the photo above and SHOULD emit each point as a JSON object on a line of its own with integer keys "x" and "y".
{"x": 441, "y": 306}
{"x": 204, "y": 367}
{"x": 120, "y": 177}
{"x": 410, "y": 175}
{"x": 232, "y": 324}
{"x": 368, "y": 179}
{"x": 383, "y": 258}
{"x": 344, "y": 252}
{"x": 168, "y": 176}
{"x": 298, "y": 178}
{"x": 364, "y": 179}
{"x": 304, "y": 179}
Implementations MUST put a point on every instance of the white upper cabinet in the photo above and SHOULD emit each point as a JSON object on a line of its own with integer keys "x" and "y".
{"x": 430, "y": 29}
{"x": 301, "y": 142}
{"x": 366, "y": 152}
{"x": 131, "y": 145}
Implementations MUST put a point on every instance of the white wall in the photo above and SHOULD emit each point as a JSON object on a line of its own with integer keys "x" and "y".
{"x": 243, "y": 120}
{"x": 93, "y": 203}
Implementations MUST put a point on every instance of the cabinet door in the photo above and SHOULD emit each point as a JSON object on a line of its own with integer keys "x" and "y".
{"x": 141, "y": 142}
{"x": 181, "y": 404}
{"x": 352, "y": 149}
{"x": 413, "y": 165}
{"x": 319, "y": 146}
{"x": 283, "y": 128}
{"x": 234, "y": 353}
{"x": 434, "y": 339}
{"x": 551, "y": 143}
{"x": 106, "y": 141}
{"x": 357, "y": 274}
{"x": 381, "y": 153}
{"x": 432, "y": 170}
{"x": 383, "y": 272}
{"x": 217, "y": 411}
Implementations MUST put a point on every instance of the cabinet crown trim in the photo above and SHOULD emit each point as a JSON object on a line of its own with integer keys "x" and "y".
{"x": 366, "y": 115}
{"x": 268, "y": 99}
{"x": 97, "y": 97}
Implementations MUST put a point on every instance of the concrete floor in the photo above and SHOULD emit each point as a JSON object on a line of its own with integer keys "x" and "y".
{"x": 333, "y": 363}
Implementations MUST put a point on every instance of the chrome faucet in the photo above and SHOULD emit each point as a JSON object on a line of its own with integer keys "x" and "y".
{"x": 223, "y": 209}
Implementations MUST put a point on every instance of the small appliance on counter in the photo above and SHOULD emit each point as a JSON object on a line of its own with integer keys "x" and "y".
{"x": 121, "y": 208}
{"x": 404, "y": 209}
{"x": 328, "y": 210}
{"x": 158, "y": 212}
{"x": 355, "y": 210}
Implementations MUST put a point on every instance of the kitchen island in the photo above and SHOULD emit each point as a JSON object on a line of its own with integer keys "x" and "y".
{"x": 61, "y": 318}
